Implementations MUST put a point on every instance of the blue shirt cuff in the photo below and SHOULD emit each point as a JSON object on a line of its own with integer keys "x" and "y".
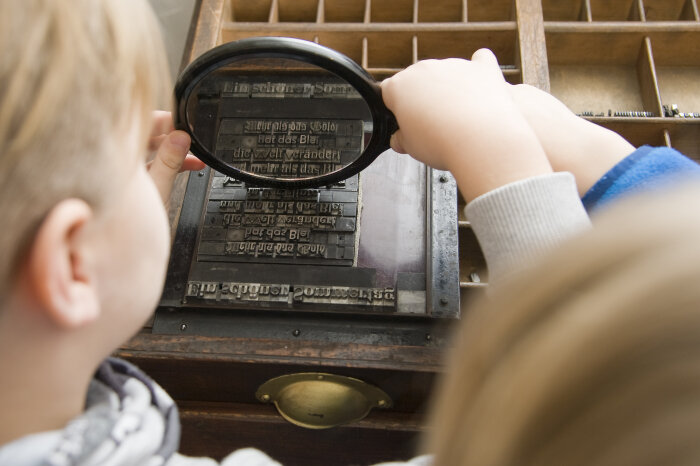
{"x": 647, "y": 168}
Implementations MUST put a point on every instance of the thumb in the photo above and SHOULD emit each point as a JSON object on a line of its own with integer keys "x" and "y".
{"x": 486, "y": 58}
{"x": 168, "y": 162}
{"x": 395, "y": 143}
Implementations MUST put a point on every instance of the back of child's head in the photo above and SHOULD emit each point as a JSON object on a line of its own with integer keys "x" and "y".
{"x": 74, "y": 76}
{"x": 592, "y": 357}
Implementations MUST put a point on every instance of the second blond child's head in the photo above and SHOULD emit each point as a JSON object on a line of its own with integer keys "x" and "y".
{"x": 592, "y": 357}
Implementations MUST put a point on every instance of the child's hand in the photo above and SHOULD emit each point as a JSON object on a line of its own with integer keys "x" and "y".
{"x": 171, "y": 155}
{"x": 458, "y": 115}
{"x": 572, "y": 144}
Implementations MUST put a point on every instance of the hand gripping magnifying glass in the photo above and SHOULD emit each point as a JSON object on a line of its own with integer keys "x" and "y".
{"x": 282, "y": 112}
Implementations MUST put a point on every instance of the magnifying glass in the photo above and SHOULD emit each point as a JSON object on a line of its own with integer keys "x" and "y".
{"x": 282, "y": 112}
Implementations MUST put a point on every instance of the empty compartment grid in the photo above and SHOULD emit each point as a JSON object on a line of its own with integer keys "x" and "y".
{"x": 471, "y": 260}
{"x": 244, "y": 11}
{"x": 391, "y": 11}
{"x": 614, "y": 10}
{"x": 490, "y": 10}
{"x": 298, "y": 11}
{"x": 678, "y": 70}
{"x": 231, "y": 34}
{"x": 434, "y": 11}
{"x": 601, "y": 72}
{"x": 348, "y": 44}
{"x": 669, "y": 10}
{"x": 389, "y": 49}
{"x": 462, "y": 44}
{"x": 344, "y": 11}
{"x": 685, "y": 136}
{"x": 564, "y": 10}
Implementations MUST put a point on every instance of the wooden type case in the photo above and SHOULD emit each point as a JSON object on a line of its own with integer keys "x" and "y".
{"x": 622, "y": 56}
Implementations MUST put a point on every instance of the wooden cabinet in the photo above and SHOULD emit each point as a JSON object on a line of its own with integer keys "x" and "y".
{"x": 601, "y": 57}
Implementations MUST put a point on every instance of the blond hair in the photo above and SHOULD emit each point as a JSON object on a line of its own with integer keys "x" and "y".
{"x": 591, "y": 357}
{"x": 74, "y": 76}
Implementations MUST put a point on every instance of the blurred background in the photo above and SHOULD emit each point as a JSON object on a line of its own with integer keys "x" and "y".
{"x": 175, "y": 17}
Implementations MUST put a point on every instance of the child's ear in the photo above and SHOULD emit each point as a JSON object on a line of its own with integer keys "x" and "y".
{"x": 57, "y": 273}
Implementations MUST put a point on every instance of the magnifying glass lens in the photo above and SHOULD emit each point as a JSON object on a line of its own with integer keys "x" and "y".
{"x": 279, "y": 118}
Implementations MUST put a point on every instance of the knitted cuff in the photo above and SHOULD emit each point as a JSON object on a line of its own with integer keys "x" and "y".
{"x": 517, "y": 222}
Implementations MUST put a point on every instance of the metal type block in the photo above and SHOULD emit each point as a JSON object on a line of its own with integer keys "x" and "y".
{"x": 216, "y": 219}
{"x": 324, "y": 196}
{"x": 238, "y": 292}
{"x": 345, "y": 296}
{"x": 243, "y": 261}
{"x": 278, "y": 224}
{"x": 349, "y": 252}
{"x": 232, "y": 234}
{"x": 214, "y": 234}
{"x": 349, "y": 209}
{"x": 246, "y": 293}
{"x": 410, "y": 281}
{"x": 227, "y": 195}
{"x": 258, "y": 272}
{"x": 341, "y": 239}
{"x": 226, "y": 205}
{"x": 251, "y": 248}
{"x": 410, "y": 302}
{"x": 211, "y": 248}
{"x": 344, "y": 196}
{"x": 263, "y": 224}
{"x": 289, "y": 147}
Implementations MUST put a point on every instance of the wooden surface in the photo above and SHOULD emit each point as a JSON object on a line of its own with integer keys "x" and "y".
{"x": 382, "y": 437}
{"x": 531, "y": 44}
{"x": 630, "y": 66}
{"x": 594, "y": 55}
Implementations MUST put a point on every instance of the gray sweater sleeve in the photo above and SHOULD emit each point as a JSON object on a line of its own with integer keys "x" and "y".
{"x": 517, "y": 222}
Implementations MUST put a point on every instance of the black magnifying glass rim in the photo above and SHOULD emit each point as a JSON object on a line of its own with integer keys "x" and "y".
{"x": 295, "y": 49}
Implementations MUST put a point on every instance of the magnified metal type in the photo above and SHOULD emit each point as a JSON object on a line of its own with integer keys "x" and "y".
{"x": 281, "y": 112}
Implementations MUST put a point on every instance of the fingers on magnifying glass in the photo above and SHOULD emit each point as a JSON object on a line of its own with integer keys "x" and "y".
{"x": 395, "y": 143}
{"x": 168, "y": 162}
{"x": 487, "y": 58}
{"x": 161, "y": 126}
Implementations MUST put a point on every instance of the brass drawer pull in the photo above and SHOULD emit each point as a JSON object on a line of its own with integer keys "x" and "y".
{"x": 318, "y": 401}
